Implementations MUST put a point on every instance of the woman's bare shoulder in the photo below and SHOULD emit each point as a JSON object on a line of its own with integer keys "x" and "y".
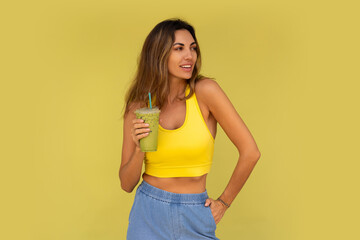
{"x": 205, "y": 89}
{"x": 136, "y": 105}
{"x": 132, "y": 107}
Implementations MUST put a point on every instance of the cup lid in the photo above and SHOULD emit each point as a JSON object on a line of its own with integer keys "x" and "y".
{"x": 147, "y": 110}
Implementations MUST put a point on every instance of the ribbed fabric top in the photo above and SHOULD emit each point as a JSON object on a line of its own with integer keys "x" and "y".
{"x": 183, "y": 152}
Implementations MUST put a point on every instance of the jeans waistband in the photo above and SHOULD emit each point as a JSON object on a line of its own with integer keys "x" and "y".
{"x": 169, "y": 197}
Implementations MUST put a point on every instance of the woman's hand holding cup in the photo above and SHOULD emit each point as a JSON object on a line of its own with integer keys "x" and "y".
{"x": 139, "y": 131}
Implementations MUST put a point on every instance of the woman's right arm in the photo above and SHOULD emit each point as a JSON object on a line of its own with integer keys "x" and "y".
{"x": 132, "y": 158}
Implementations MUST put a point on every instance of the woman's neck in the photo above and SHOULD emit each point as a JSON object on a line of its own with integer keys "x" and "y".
{"x": 177, "y": 90}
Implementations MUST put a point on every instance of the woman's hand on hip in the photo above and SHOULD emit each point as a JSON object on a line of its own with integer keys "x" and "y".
{"x": 217, "y": 209}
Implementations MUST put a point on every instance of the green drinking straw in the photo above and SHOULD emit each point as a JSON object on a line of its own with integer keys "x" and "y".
{"x": 150, "y": 100}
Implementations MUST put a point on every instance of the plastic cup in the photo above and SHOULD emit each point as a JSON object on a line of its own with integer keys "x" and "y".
{"x": 150, "y": 116}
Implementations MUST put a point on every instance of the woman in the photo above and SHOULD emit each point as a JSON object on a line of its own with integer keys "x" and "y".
{"x": 172, "y": 202}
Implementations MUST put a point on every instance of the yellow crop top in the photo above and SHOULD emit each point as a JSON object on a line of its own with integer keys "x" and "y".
{"x": 183, "y": 152}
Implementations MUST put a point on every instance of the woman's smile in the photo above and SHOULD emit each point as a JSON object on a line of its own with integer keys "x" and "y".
{"x": 187, "y": 67}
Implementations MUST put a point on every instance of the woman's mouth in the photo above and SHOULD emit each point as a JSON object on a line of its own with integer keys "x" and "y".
{"x": 186, "y": 67}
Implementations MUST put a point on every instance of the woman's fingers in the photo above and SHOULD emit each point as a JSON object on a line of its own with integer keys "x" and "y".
{"x": 139, "y": 130}
{"x": 139, "y": 123}
{"x": 208, "y": 202}
{"x": 217, "y": 209}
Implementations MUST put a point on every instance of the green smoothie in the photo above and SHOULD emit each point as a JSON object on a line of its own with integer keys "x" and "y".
{"x": 150, "y": 116}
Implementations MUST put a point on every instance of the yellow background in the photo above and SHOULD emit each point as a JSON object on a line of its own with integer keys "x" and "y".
{"x": 291, "y": 69}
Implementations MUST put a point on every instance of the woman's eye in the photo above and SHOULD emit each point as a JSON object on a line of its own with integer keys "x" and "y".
{"x": 181, "y": 48}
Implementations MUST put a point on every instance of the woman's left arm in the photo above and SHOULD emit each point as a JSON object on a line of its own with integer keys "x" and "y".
{"x": 226, "y": 115}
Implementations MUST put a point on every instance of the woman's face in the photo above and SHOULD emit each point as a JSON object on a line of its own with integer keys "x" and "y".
{"x": 182, "y": 56}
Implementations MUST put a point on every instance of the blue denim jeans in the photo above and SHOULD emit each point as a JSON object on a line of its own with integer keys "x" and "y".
{"x": 160, "y": 215}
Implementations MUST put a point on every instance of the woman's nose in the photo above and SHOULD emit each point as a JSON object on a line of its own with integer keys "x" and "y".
{"x": 188, "y": 55}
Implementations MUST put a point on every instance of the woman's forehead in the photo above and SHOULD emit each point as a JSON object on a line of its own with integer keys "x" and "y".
{"x": 183, "y": 35}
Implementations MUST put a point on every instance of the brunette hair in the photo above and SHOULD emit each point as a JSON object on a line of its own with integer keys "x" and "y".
{"x": 152, "y": 72}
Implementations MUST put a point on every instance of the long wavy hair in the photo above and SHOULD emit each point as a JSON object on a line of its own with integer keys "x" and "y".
{"x": 152, "y": 72}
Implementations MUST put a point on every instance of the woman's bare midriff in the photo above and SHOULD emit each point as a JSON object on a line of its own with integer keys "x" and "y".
{"x": 178, "y": 184}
